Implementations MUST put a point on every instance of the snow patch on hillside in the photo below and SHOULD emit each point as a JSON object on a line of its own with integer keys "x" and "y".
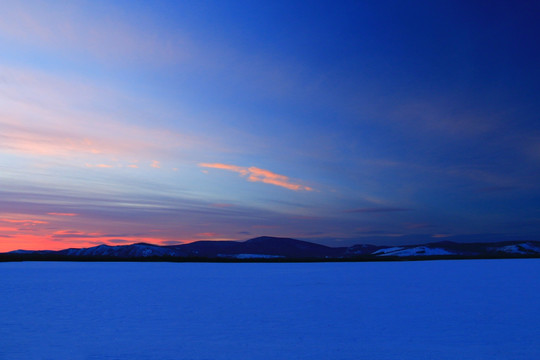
{"x": 387, "y": 250}
{"x": 524, "y": 248}
{"x": 414, "y": 251}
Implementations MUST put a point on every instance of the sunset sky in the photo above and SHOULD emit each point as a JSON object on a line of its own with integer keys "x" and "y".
{"x": 383, "y": 122}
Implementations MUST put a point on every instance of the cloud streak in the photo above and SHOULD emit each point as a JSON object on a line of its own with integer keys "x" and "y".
{"x": 255, "y": 174}
{"x": 41, "y": 116}
{"x": 39, "y": 219}
{"x": 105, "y": 38}
{"x": 377, "y": 210}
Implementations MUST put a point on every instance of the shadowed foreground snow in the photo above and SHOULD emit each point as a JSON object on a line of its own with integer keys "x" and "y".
{"x": 474, "y": 309}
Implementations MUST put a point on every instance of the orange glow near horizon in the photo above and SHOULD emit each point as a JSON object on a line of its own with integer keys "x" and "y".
{"x": 49, "y": 242}
{"x": 63, "y": 230}
{"x": 61, "y": 233}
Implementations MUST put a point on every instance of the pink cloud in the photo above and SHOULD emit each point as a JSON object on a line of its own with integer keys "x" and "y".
{"x": 219, "y": 205}
{"x": 269, "y": 177}
{"x": 23, "y": 221}
{"x": 42, "y": 117}
{"x": 106, "y": 166}
{"x": 62, "y": 214}
{"x": 207, "y": 234}
{"x": 44, "y": 140}
{"x": 255, "y": 174}
{"x": 239, "y": 169}
{"x": 8, "y": 229}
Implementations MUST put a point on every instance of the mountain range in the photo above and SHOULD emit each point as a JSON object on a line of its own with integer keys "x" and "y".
{"x": 282, "y": 249}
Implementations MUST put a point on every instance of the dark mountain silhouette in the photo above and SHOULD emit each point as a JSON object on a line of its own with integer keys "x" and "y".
{"x": 289, "y": 248}
{"x": 266, "y": 247}
{"x": 271, "y": 246}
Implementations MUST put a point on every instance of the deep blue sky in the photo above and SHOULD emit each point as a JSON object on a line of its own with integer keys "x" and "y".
{"x": 379, "y": 122}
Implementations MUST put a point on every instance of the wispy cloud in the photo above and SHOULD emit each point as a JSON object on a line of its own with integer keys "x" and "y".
{"x": 105, "y": 166}
{"x": 221, "y": 205}
{"x": 25, "y": 222}
{"x": 239, "y": 169}
{"x": 207, "y": 235}
{"x": 418, "y": 226}
{"x": 441, "y": 117}
{"x": 172, "y": 242}
{"x": 438, "y": 236}
{"x": 496, "y": 189}
{"x": 377, "y": 210}
{"x": 48, "y": 116}
{"x": 77, "y": 30}
{"x": 255, "y": 174}
{"x": 119, "y": 241}
{"x": 122, "y": 141}
{"x": 33, "y": 220}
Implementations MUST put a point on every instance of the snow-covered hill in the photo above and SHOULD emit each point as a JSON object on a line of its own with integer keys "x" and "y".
{"x": 265, "y": 248}
{"x": 413, "y": 251}
{"x": 122, "y": 251}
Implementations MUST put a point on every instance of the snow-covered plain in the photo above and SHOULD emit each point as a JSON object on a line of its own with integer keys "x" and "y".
{"x": 473, "y": 309}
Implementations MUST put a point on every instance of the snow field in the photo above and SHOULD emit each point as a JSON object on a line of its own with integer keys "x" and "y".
{"x": 468, "y": 309}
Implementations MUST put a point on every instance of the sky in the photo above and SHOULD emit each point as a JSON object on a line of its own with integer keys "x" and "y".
{"x": 341, "y": 123}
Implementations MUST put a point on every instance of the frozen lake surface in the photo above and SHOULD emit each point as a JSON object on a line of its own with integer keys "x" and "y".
{"x": 473, "y": 309}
